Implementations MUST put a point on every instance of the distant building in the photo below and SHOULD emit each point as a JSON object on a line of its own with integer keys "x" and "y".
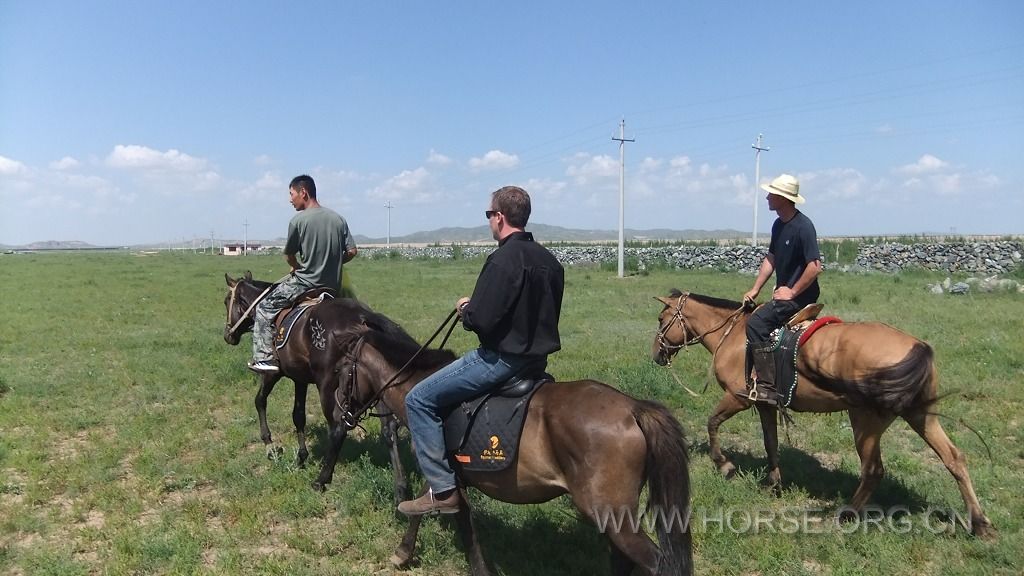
{"x": 238, "y": 249}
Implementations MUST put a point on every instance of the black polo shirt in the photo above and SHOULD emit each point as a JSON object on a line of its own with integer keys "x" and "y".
{"x": 794, "y": 244}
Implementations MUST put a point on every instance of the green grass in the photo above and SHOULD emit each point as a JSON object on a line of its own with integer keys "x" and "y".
{"x": 129, "y": 444}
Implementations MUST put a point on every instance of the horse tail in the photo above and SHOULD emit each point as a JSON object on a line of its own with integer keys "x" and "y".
{"x": 901, "y": 388}
{"x": 668, "y": 482}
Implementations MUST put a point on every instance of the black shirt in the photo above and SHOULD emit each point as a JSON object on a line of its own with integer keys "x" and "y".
{"x": 794, "y": 244}
{"x": 518, "y": 298}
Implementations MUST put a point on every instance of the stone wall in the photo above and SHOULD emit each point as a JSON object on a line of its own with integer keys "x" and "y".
{"x": 983, "y": 258}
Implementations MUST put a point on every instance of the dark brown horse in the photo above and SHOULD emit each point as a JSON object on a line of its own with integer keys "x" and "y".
{"x": 871, "y": 370}
{"x": 582, "y": 438}
{"x": 304, "y": 361}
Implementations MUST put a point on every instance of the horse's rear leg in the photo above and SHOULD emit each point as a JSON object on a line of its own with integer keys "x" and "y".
{"x": 928, "y": 426}
{"x": 868, "y": 427}
{"x": 299, "y": 420}
{"x": 727, "y": 407}
{"x": 402, "y": 556}
{"x": 616, "y": 518}
{"x": 267, "y": 382}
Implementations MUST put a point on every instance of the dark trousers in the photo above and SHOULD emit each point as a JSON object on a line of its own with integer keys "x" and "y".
{"x": 767, "y": 318}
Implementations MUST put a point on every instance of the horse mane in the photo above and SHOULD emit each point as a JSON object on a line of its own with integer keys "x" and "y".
{"x": 395, "y": 344}
{"x": 709, "y": 300}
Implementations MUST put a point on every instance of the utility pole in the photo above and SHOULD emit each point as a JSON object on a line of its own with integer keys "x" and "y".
{"x": 757, "y": 181}
{"x": 245, "y": 237}
{"x": 622, "y": 189}
{"x": 389, "y": 206}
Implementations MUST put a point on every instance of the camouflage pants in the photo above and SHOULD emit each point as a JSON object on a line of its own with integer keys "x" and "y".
{"x": 263, "y": 317}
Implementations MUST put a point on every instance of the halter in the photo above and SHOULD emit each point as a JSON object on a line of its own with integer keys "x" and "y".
{"x": 669, "y": 349}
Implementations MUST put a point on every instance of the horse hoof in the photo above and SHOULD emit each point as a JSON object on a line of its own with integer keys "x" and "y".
{"x": 319, "y": 487}
{"x": 274, "y": 453}
{"x": 847, "y": 514}
{"x": 399, "y": 559}
{"x": 727, "y": 470}
{"x": 984, "y": 530}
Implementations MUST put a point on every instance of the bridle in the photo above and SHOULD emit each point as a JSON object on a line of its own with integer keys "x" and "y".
{"x": 231, "y": 306}
{"x": 353, "y": 416}
{"x": 669, "y": 349}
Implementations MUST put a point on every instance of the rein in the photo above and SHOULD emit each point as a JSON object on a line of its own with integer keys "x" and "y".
{"x": 352, "y": 419}
{"x": 248, "y": 311}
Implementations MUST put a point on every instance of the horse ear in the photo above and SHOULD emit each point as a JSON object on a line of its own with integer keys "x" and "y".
{"x": 231, "y": 283}
{"x": 664, "y": 301}
{"x": 248, "y": 276}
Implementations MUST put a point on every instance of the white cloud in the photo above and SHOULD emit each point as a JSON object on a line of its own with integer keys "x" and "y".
{"x": 884, "y": 129}
{"x": 494, "y": 160}
{"x": 834, "y": 183}
{"x": 263, "y": 160}
{"x": 10, "y": 167}
{"x": 437, "y": 158}
{"x": 65, "y": 163}
{"x": 925, "y": 165}
{"x": 408, "y": 185}
{"x": 134, "y": 156}
{"x": 592, "y": 169}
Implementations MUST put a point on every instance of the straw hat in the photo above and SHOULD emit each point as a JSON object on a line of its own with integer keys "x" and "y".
{"x": 786, "y": 186}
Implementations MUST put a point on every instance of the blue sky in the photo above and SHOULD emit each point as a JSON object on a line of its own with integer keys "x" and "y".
{"x": 137, "y": 122}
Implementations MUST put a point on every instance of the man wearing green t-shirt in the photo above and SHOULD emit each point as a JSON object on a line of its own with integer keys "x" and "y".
{"x": 318, "y": 244}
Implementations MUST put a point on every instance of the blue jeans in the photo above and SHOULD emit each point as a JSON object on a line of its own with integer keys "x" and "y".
{"x": 473, "y": 374}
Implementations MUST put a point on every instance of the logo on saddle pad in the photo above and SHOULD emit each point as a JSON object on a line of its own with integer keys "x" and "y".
{"x": 494, "y": 452}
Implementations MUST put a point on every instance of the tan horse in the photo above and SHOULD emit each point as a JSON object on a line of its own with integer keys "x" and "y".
{"x": 871, "y": 370}
{"x": 584, "y": 438}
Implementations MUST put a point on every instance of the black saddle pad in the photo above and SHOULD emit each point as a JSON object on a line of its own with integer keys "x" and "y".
{"x": 785, "y": 365}
{"x": 482, "y": 434}
{"x": 292, "y": 315}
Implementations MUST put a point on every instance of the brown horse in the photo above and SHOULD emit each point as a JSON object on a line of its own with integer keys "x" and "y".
{"x": 304, "y": 362}
{"x": 873, "y": 371}
{"x": 582, "y": 438}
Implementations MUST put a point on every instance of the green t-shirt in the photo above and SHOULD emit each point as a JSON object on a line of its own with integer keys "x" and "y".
{"x": 319, "y": 238}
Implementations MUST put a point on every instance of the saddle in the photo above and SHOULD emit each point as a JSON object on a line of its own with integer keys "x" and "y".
{"x": 482, "y": 434}
{"x": 287, "y": 318}
{"x": 788, "y": 340}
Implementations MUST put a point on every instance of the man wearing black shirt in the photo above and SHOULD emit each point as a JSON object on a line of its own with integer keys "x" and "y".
{"x": 794, "y": 258}
{"x": 514, "y": 311}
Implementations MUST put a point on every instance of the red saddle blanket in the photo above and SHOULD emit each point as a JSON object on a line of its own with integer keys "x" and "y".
{"x": 814, "y": 327}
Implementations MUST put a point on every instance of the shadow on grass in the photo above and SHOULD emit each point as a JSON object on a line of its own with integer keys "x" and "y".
{"x": 804, "y": 471}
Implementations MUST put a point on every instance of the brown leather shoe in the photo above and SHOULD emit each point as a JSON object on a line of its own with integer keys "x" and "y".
{"x": 427, "y": 504}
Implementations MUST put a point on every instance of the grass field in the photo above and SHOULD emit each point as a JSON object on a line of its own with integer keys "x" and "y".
{"x": 129, "y": 444}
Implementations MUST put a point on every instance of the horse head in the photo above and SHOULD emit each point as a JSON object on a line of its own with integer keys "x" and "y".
{"x": 672, "y": 330}
{"x": 680, "y": 325}
{"x": 241, "y": 292}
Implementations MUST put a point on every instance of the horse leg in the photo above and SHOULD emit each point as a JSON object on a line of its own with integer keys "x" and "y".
{"x": 770, "y": 431}
{"x": 336, "y": 433}
{"x": 401, "y": 557}
{"x": 727, "y": 407}
{"x": 467, "y": 532}
{"x": 616, "y": 514}
{"x": 389, "y": 434}
{"x": 929, "y": 428}
{"x": 868, "y": 427}
{"x": 267, "y": 382}
{"x": 299, "y": 420}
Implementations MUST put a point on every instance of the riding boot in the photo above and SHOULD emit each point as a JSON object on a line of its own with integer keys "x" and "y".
{"x": 764, "y": 387}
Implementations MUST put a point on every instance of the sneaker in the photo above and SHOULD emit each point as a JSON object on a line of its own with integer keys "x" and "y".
{"x": 427, "y": 504}
{"x": 263, "y": 366}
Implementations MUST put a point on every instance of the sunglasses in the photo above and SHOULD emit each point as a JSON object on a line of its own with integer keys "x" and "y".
{"x": 490, "y": 213}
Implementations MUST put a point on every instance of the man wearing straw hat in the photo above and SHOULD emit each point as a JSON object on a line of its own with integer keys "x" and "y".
{"x": 794, "y": 258}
